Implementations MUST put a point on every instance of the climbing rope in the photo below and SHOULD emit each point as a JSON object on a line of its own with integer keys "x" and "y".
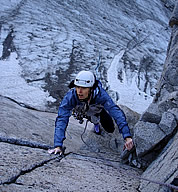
{"x": 43, "y": 146}
{"x": 24, "y": 142}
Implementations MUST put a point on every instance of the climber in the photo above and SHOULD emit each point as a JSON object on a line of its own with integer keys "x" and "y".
{"x": 87, "y": 99}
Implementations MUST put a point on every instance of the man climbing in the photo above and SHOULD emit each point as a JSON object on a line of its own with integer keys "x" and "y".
{"x": 87, "y": 99}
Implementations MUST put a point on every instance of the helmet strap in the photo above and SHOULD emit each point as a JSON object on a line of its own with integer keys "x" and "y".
{"x": 90, "y": 95}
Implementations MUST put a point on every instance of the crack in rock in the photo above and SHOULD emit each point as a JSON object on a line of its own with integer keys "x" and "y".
{"x": 24, "y": 143}
{"x": 29, "y": 169}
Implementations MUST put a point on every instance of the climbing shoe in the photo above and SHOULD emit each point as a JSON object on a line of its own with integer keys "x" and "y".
{"x": 97, "y": 129}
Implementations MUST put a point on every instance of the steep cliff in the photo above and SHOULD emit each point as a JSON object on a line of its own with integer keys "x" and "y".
{"x": 43, "y": 45}
{"x": 47, "y": 42}
{"x": 158, "y": 125}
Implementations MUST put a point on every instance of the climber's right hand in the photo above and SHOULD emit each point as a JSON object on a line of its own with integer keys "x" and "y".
{"x": 57, "y": 150}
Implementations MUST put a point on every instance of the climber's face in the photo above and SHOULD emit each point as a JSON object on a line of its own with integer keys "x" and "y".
{"x": 83, "y": 93}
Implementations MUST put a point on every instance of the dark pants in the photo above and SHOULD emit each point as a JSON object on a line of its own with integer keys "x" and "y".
{"x": 106, "y": 121}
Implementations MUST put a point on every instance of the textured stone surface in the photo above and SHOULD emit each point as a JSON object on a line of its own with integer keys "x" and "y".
{"x": 146, "y": 136}
{"x": 174, "y": 19}
{"x": 164, "y": 169}
{"x": 169, "y": 101}
{"x": 168, "y": 123}
{"x": 19, "y": 122}
{"x": 92, "y": 163}
{"x": 166, "y": 99}
{"x": 75, "y": 173}
{"x": 44, "y": 44}
{"x": 152, "y": 114}
{"x": 15, "y": 158}
{"x": 174, "y": 111}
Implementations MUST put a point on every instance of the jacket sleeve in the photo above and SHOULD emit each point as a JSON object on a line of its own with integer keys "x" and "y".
{"x": 115, "y": 112}
{"x": 62, "y": 119}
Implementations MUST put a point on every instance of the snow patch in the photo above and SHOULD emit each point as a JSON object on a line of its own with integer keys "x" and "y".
{"x": 14, "y": 86}
{"x": 129, "y": 94}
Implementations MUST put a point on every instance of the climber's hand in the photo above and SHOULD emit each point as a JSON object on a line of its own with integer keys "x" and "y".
{"x": 57, "y": 150}
{"x": 128, "y": 143}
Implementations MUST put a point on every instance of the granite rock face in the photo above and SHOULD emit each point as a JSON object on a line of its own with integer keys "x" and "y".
{"x": 164, "y": 169}
{"x": 162, "y": 115}
{"x": 163, "y": 111}
{"x": 44, "y": 44}
{"x": 91, "y": 164}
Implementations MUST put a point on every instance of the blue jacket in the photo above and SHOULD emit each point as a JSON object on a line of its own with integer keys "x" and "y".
{"x": 99, "y": 96}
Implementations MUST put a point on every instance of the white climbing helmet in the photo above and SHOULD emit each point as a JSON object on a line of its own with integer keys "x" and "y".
{"x": 84, "y": 79}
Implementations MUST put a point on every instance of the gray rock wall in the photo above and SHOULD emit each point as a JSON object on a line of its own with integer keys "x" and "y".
{"x": 25, "y": 164}
{"x": 164, "y": 169}
{"x": 162, "y": 113}
{"x": 158, "y": 124}
{"x": 26, "y": 134}
{"x": 48, "y": 42}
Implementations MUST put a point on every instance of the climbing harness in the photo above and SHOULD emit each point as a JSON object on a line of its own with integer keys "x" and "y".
{"x": 79, "y": 112}
{"x": 90, "y": 112}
